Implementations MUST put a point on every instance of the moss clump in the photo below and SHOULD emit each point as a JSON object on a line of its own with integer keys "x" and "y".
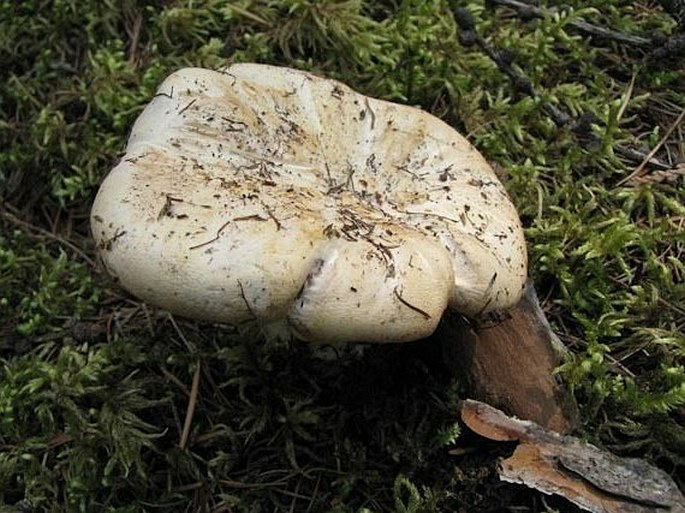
{"x": 95, "y": 387}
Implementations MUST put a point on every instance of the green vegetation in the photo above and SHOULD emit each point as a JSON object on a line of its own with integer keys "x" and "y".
{"x": 94, "y": 386}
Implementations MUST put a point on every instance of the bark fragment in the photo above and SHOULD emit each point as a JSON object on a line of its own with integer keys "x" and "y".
{"x": 591, "y": 478}
{"x": 510, "y": 364}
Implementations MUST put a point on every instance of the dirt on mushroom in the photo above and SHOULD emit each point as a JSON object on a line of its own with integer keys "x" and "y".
{"x": 247, "y": 194}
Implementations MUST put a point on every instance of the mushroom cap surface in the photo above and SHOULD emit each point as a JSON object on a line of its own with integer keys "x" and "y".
{"x": 261, "y": 193}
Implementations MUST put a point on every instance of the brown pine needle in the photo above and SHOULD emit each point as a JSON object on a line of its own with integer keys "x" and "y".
{"x": 639, "y": 169}
{"x": 192, "y": 402}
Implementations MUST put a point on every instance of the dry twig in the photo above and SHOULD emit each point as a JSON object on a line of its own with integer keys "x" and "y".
{"x": 37, "y": 230}
{"x": 192, "y": 403}
{"x": 503, "y": 59}
{"x": 639, "y": 170}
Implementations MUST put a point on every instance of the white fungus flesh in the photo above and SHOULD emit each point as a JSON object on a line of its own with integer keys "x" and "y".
{"x": 270, "y": 195}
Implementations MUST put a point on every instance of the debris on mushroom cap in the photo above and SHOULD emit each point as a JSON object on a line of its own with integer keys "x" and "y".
{"x": 260, "y": 193}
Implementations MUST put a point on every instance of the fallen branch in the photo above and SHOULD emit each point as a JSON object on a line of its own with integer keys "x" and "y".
{"x": 664, "y": 49}
{"x": 531, "y": 11}
{"x": 581, "y": 126}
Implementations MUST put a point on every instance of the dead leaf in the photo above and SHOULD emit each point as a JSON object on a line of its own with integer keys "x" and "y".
{"x": 591, "y": 478}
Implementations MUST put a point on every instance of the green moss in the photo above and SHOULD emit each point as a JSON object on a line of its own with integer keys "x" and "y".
{"x": 94, "y": 385}
{"x": 41, "y": 288}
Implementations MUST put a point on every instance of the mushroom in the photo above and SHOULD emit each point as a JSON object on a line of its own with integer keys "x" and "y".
{"x": 268, "y": 194}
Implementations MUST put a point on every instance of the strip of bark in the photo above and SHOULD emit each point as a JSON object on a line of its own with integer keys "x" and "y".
{"x": 510, "y": 363}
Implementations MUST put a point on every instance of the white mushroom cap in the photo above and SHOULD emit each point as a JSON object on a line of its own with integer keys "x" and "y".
{"x": 268, "y": 194}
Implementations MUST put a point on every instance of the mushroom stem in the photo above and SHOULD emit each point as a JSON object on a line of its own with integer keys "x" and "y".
{"x": 509, "y": 363}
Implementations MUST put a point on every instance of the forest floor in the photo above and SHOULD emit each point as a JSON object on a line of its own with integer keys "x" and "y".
{"x": 584, "y": 126}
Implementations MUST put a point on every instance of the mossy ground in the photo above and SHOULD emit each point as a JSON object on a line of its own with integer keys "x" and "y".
{"x": 95, "y": 386}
